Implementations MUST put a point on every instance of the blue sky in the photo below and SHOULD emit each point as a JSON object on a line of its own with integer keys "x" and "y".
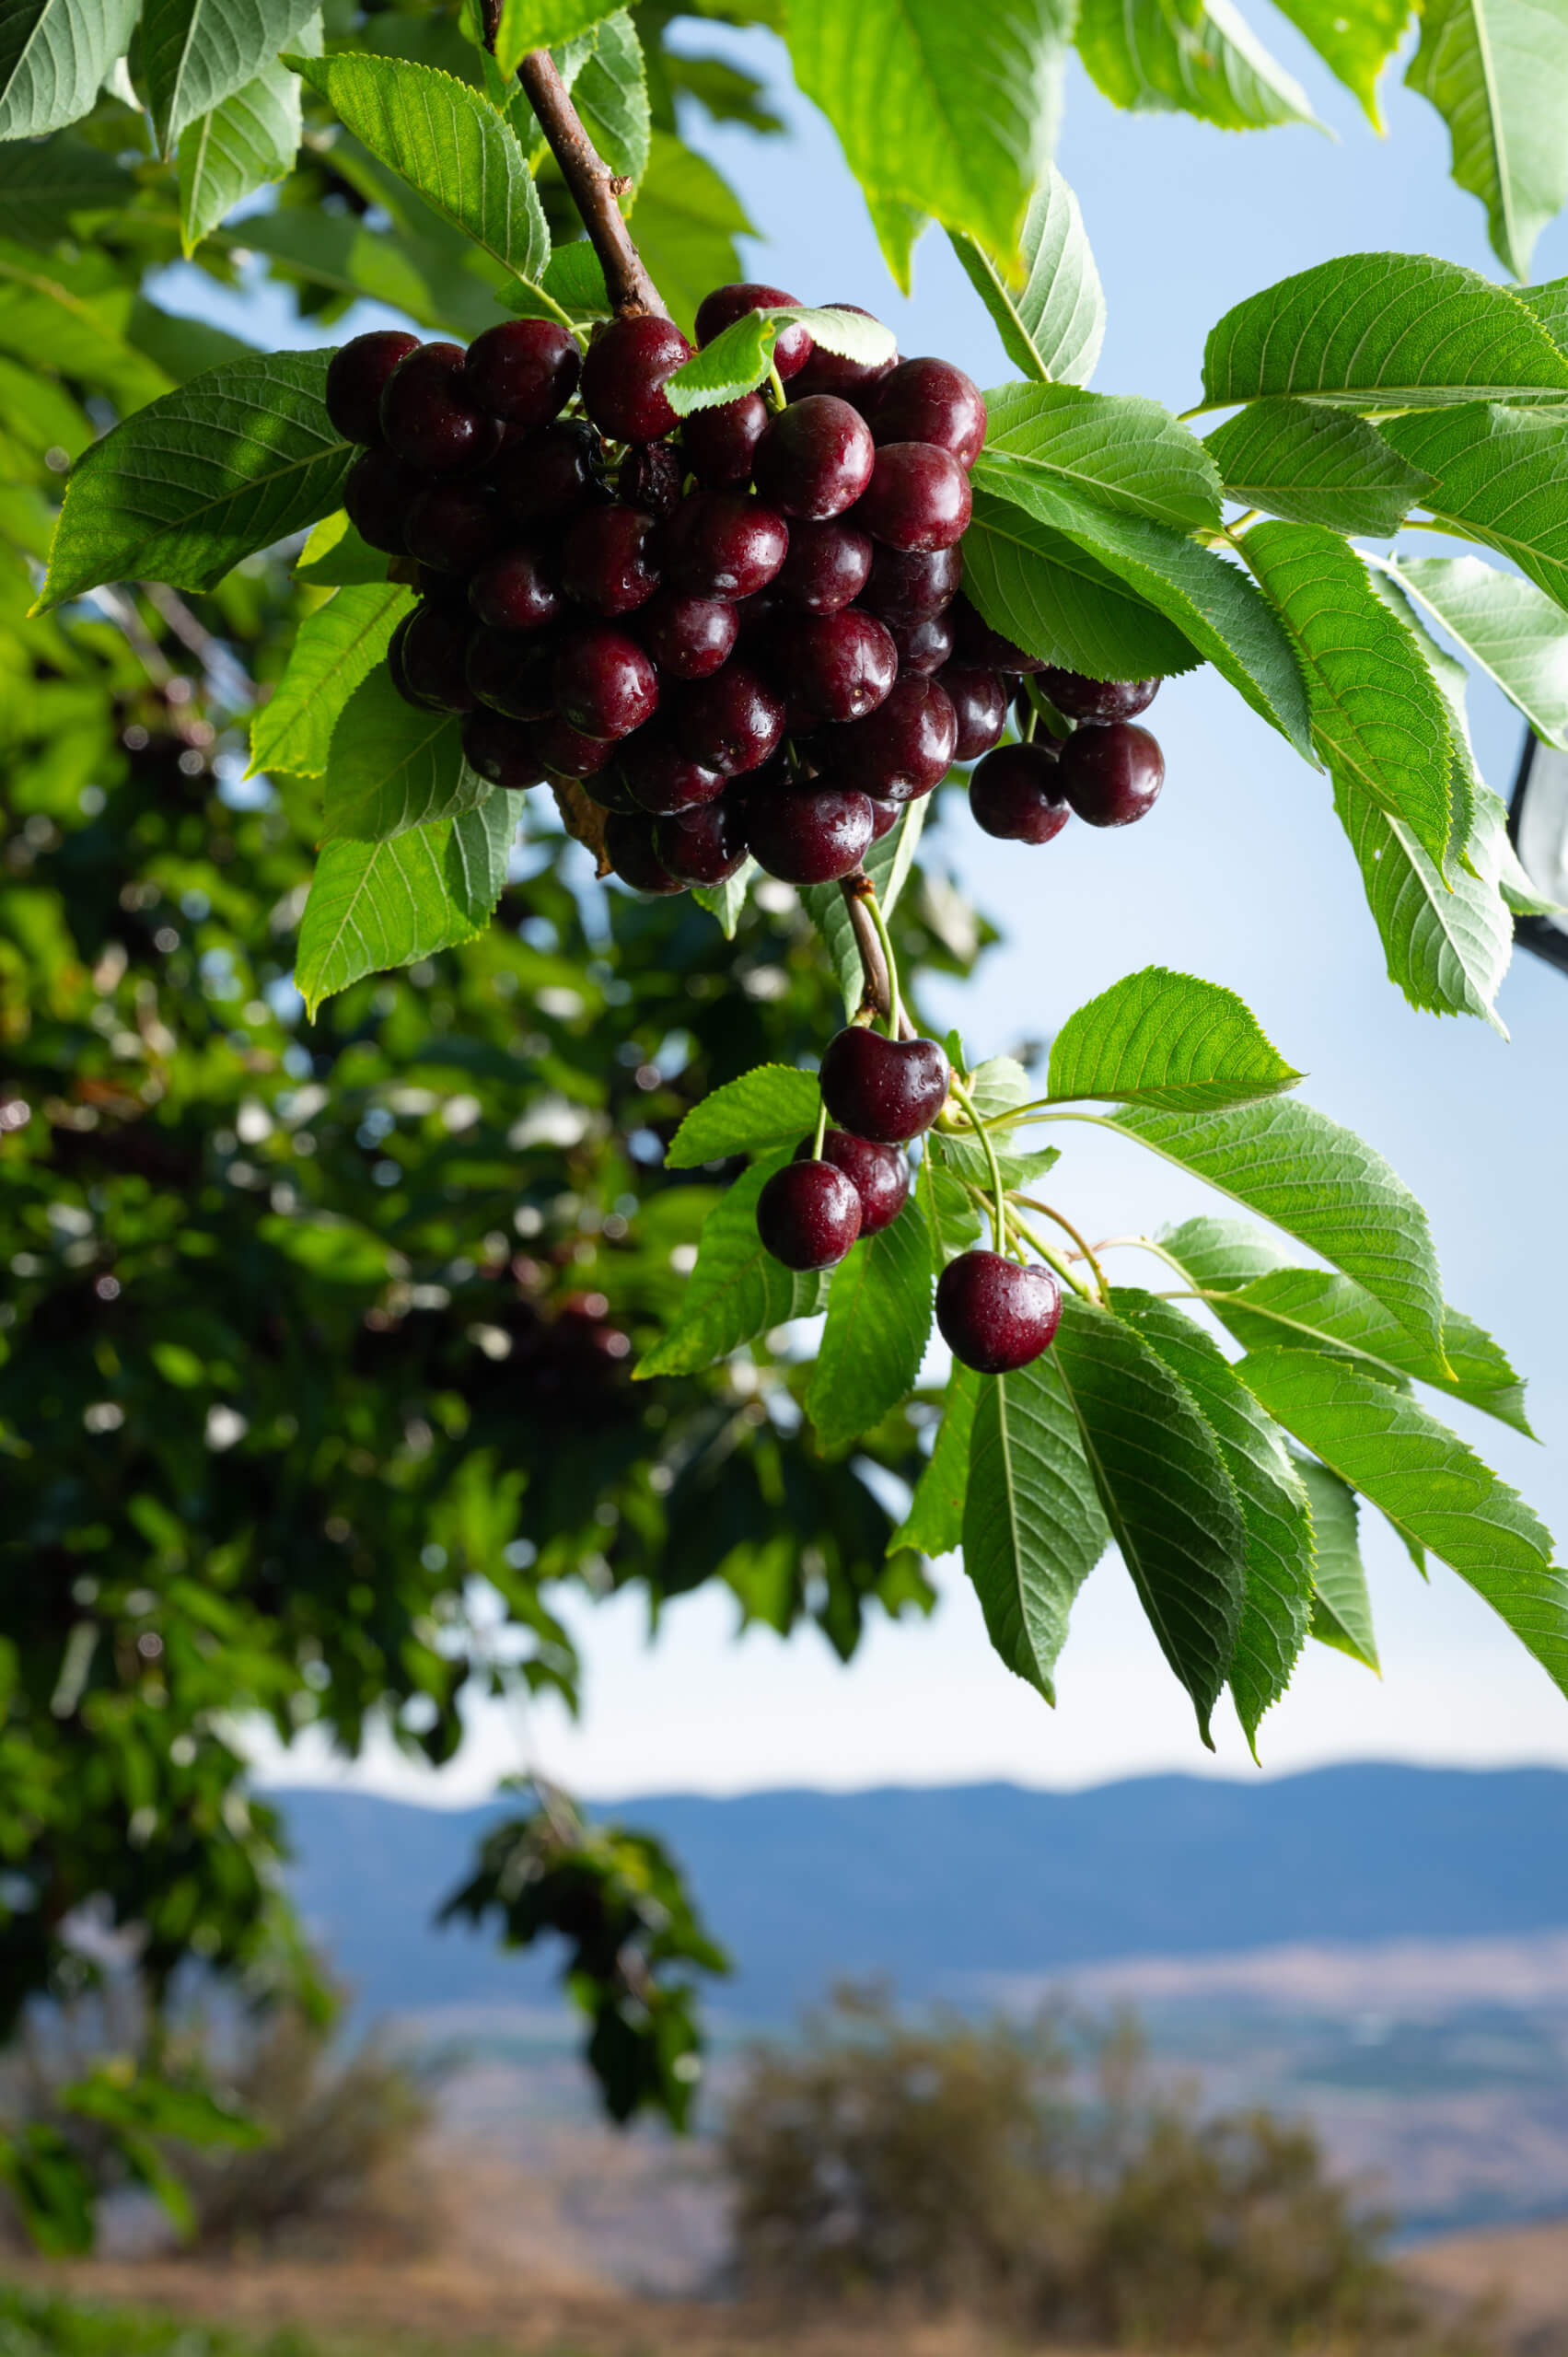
{"x": 1240, "y": 874}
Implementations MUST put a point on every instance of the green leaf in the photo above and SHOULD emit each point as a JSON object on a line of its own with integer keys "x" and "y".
{"x": 1497, "y": 73}
{"x": 1046, "y": 594}
{"x": 541, "y": 24}
{"x": 967, "y": 1156}
{"x": 686, "y": 221}
{"x": 1277, "y": 1607}
{"x": 449, "y": 145}
{"x": 1316, "y": 465}
{"x": 239, "y": 457}
{"x": 236, "y": 148}
{"x": 1354, "y": 43}
{"x": 1223, "y": 1254}
{"x": 1500, "y": 475}
{"x": 1157, "y": 1037}
{"x": 1447, "y": 939}
{"x": 390, "y": 767}
{"x": 736, "y": 1290}
{"x": 1341, "y": 1608}
{"x": 1383, "y": 331}
{"x": 79, "y": 319}
{"x": 54, "y": 55}
{"x": 335, "y": 649}
{"x": 573, "y": 278}
{"x": 939, "y": 111}
{"x": 1166, "y": 1495}
{"x": 1033, "y": 1528}
{"x": 888, "y": 863}
{"x": 1321, "y": 1184}
{"x": 1127, "y": 452}
{"x": 334, "y": 556}
{"x": 879, "y": 1308}
{"x": 43, "y": 188}
{"x": 1196, "y": 57}
{"x": 1052, "y": 317}
{"x": 377, "y": 906}
{"x": 935, "y": 1523}
{"x": 727, "y": 901}
{"x": 1379, "y": 718}
{"x": 772, "y": 1106}
{"x": 196, "y": 53}
{"x": 1435, "y": 1491}
{"x": 1516, "y": 633}
{"x": 1211, "y": 601}
{"x": 739, "y": 359}
{"x": 610, "y": 94}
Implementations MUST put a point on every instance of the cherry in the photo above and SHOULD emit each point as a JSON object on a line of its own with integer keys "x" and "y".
{"x": 566, "y": 752}
{"x": 706, "y": 845}
{"x": 688, "y": 637}
{"x": 885, "y": 816}
{"x": 816, "y": 458}
{"x": 720, "y": 443}
{"x": 840, "y": 666}
{"x": 1111, "y": 776}
{"x": 726, "y": 304}
{"x": 355, "y": 376}
{"x": 452, "y": 527}
{"x": 832, "y": 372}
{"x": 980, "y": 702}
{"x": 1078, "y": 698}
{"x": 441, "y": 589}
{"x": 924, "y": 646}
{"x": 548, "y": 474}
{"x": 976, "y": 642}
{"x": 888, "y": 1090}
{"x": 996, "y": 1315}
{"x": 908, "y": 585}
{"x": 624, "y": 376}
{"x": 608, "y": 559}
{"x": 518, "y": 591}
{"x": 377, "y": 495}
{"x": 524, "y": 370}
{"x": 501, "y": 750}
{"x": 878, "y": 1174}
{"x": 608, "y": 788}
{"x": 661, "y": 779}
{"x": 427, "y": 417}
{"x": 930, "y": 401}
{"x": 630, "y": 850}
{"x": 918, "y": 497}
{"x": 730, "y": 723}
{"x": 432, "y": 659}
{"x": 605, "y": 685}
{"x": 809, "y": 1215}
{"x": 804, "y": 835}
{"x": 650, "y": 477}
{"x": 1015, "y": 793}
{"x": 827, "y": 566}
{"x": 395, "y": 660}
{"x": 511, "y": 674}
{"x": 722, "y": 546}
{"x": 901, "y": 751}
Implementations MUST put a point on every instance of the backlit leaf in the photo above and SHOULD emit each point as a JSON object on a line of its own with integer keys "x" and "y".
{"x": 773, "y": 1105}
{"x": 880, "y": 1310}
{"x": 1050, "y": 317}
{"x": 1316, "y": 465}
{"x": 1125, "y": 451}
{"x": 1033, "y": 1526}
{"x": 1197, "y": 57}
{"x": 736, "y": 1290}
{"x": 1157, "y": 1037}
{"x": 334, "y": 649}
{"x": 1497, "y": 73}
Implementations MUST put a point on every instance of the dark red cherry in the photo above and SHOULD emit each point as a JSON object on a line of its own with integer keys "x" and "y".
{"x": 706, "y": 845}
{"x": 878, "y": 1174}
{"x": 816, "y": 458}
{"x": 630, "y": 846}
{"x": 378, "y": 492}
{"x": 830, "y": 372}
{"x": 452, "y": 527}
{"x": 432, "y": 656}
{"x": 518, "y": 591}
{"x": 610, "y": 559}
{"x": 918, "y": 497}
{"x": 566, "y": 752}
{"x": 1015, "y": 793}
{"x": 995, "y": 1314}
{"x": 627, "y": 367}
{"x": 501, "y": 750}
{"x": 838, "y": 667}
{"x": 608, "y": 788}
{"x": 730, "y": 723}
{"x": 1098, "y": 700}
{"x": 886, "y": 1089}
{"x": 604, "y": 684}
{"x": 930, "y": 401}
{"x": 722, "y": 546}
{"x": 976, "y": 644}
{"x": 726, "y": 304}
{"x": 512, "y": 674}
{"x": 901, "y": 751}
{"x": 924, "y": 647}
{"x": 827, "y": 566}
{"x": 720, "y": 443}
{"x": 524, "y": 370}
{"x": 688, "y": 637}
{"x": 650, "y": 477}
{"x": 428, "y": 418}
{"x": 809, "y": 1215}
{"x": 908, "y": 585}
{"x": 551, "y": 473}
{"x": 355, "y": 376}
{"x": 805, "y": 835}
{"x": 885, "y": 816}
{"x": 663, "y": 780}
{"x": 979, "y": 704}
{"x": 1111, "y": 776}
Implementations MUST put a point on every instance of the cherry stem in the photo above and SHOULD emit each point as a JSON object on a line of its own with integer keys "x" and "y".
{"x": 776, "y": 387}
{"x": 895, "y": 1009}
{"x": 1053, "y": 1259}
{"x": 1030, "y": 1204}
{"x": 999, "y": 1211}
{"x": 860, "y": 899}
{"x": 821, "y": 1131}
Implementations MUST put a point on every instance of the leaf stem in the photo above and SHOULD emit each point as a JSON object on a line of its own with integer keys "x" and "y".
{"x": 895, "y": 1001}
{"x": 877, "y": 980}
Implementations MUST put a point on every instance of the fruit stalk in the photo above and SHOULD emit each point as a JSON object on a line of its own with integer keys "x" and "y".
{"x": 859, "y": 891}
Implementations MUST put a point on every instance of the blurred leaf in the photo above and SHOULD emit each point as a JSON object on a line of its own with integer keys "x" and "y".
{"x": 686, "y": 221}
{"x": 1197, "y": 57}
{"x": 1354, "y": 43}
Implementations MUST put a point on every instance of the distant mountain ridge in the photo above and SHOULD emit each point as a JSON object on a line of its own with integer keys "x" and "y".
{"x": 940, "y": 1887}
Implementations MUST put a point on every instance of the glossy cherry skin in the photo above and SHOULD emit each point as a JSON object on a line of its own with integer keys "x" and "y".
{"x": 918, "y": 498}
{"x": 624, "y": 376}
{"x": 830, "y": 372}
{"x": 995, "y": 1314}
{"x": 924, "y": 646}
{"x": 549, "y": 474}
{"x": 524, "y": 370}
{"x": 888, "y": 1090}
{"x": 1016, "y": 794}
{"x": 885, "y": 816}
{"x": 605, "y": 683}
{"x": 809, "y": 1215}
{"x": 908, "y": 585}
{"x": 838, "y": 667}
{"x": 722, "y": 546}
{"x": 816, "y": 458}
{"x": 427, "y": 418}
{"x": 1098, "y": 700}
{"x": 432, "y": 655}
{"x": 501, "y": 750}
{"x": 901, "y": 751}
{"x": 721, "y": 444}
{"x": 730, "y": 723}
{"x": 661, "y": 779}
{"x": 706, "y": 845}
{"x": 979, "y": 704}
{"x": 378, "y": 492}
{"x": 688, "y": 637}
{"x": 518, "y": 591}
{"x": 930, "y": 401}
{"x": 512, "y": 674}
{"x": 878, "y": 1174}
{"x": 632, "y": 853}
{"x": 610, "y": 559}
{"x": 975, "y": 642}
{"x": 827, "y": 567}
{"x": 726, "y": 304}
{"x": 651, "y": 478}
{"x": 805, "y": 835}
{"x": 566, "y": 752}
{"x": 453, "y": 527}
{"x": 355, "y": 376}
{"x": 1111, "y": 776}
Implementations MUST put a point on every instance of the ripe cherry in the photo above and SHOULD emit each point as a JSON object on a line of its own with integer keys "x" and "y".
{"x": 608, "y": 788}
{"x": 885, "y": 816}
{"x": 730, "y": 723}
{"x": 517, "y": 591}
{"x": 908, "y": 585}
{"x": 720, "y": 443}
{"x": 805, "y": 835}
{"x": 452, "y": 527}
{"x": 878, "y": 1174}
{"x": 501, "y": 750}
{"x": 816, "y": 458}
{"x": 608, "y": 559}
{"x": 830, "y": 372}
{"x": 1111, "y": 776}
{"x": 888, "y": 1090}
{"x": 355, "y": 376}
{"x": 901, "y": 751}
{"x": 924, "y": 646}
{"x": 726, "y": 304}
{"x": 918, "y": 497}
{"x": 378, "y": 492}
{"x": 624, "y": 376}
{"x": 663, "y": 780}
{"x": 722, "y": 546}
{"x": 980, "y": 702}
{"x": 706, "y": 845}
{"x": 809, "y": 1215}
{"x": 827, "y": 566}
{"x": 630, "y": 850}
{"x": 975, "y": 642}
{"x": 650, "y": 477}
{"x": 1015, "y": 793}
{"x": 432, "y": 656}
{"x": 604, "y": 684}
{"x": 837, "y": 667}
{"x": 547, "y": 475}
{"x": 996, "y": 1315}
{"x": 930, "y": 401}
{"x": 566, "y": 752}
{"x": 511, "y": 673}
{"x": 1098, "y": 700}
{"x": 688, "y": 637}
{"x": 524, "y": 370}
{"x": 428, "y": 417}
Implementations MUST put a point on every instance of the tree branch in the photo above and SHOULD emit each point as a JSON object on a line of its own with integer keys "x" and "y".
{"x": 594, "y": 189}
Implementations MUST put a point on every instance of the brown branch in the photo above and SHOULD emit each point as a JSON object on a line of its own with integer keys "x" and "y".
{"x": 593, "y": 187}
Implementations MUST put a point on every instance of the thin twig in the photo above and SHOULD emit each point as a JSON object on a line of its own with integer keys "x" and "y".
{"x": 593, "y": 187}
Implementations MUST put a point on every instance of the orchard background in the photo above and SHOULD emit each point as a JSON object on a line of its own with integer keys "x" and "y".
{"x": 317, "y": 1327}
